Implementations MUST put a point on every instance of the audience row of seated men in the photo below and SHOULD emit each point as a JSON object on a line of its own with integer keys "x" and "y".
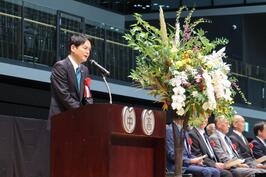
{"x": 219, "y": 148}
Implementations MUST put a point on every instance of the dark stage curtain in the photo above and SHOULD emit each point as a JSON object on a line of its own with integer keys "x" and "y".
{"x": 24, "y": 147}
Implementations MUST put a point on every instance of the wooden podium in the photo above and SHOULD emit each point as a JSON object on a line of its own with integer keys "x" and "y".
{"x": 92, "y": 142}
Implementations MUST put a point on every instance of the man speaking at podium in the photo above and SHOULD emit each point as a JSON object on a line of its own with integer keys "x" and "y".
{"x": 69, "y": 78}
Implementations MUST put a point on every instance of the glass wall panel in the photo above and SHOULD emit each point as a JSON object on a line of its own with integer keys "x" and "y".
{"x": 10, "y": 26}
{"x": 39, "y": 34}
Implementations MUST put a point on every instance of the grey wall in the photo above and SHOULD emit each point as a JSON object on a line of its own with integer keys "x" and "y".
{"x": 208, "y": 12}
{"x": 89, "y": 12}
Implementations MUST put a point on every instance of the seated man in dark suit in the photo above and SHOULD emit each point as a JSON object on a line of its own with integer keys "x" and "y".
{"x": 259, "y": 145}
{"x": 201, "y": 146}
{"x": 240, "y": 143}
{"x": 191, "y": 164}
{"x": 225, "y": 152}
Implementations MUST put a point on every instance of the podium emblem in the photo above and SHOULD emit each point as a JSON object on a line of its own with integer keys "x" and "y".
{"x": 148, "y": 121}
{"x": 128, "y": 119}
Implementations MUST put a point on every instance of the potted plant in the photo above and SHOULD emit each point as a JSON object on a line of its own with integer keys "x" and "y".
{"x": 181, "y": 68}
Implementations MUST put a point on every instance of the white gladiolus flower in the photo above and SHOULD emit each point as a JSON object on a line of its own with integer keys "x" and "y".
{"x": 225, "y": 67}
{"x": 221, "y": 85}
{"x": 179, "y": 90}
{"x": 210, "y": 92}
{"x": 177, "y": 38}
{"x": 175, "y": 82}
{"x": 195, "y": 93}
{"x": 176, "y": 105}
{"x": 179, "y": 97}
{"x": 181, "y": 112}
{"x": 205, "y": 106}
{"x": 215, "y": 59}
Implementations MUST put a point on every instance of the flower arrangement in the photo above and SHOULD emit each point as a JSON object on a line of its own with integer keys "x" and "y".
{"x": 181, "y": 66}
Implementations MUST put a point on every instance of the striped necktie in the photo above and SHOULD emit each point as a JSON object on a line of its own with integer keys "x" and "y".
{"x": 209, "y": 147}
{"x": 228, "y": 142}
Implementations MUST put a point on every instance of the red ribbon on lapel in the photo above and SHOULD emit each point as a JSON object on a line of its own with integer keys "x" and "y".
{"x": 87, "y": 81}
{"x": 87, "y": 84}
{"x": 190, "y": 141}
{"x": 234, "y": 146}
{"x": 212, "y": 143}
{"x": 251, "y": 146}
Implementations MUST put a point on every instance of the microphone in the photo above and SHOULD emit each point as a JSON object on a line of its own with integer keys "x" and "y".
{"x": 104, "y": 73}
{"x": 102, "y": 69}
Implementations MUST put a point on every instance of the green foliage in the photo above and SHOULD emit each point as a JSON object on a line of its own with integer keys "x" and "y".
{"x": 171, "y": 64}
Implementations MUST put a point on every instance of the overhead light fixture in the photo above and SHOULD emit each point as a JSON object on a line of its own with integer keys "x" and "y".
{"x": 234, "y": 27}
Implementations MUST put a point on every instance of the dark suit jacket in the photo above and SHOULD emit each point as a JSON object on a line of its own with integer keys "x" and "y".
{"x": 242, "y": 148}
{"x": 199, "y": 148}
{"x": 64, "y": 92}
{"x": 259, "y": 149}
{"x": 170, "y": 152}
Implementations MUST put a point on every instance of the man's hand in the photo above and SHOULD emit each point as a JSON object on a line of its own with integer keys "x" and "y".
{"x": 243, "y": 165}
{"x": 219, "y": 165}
{"x": 259, "y": 165}
{"x": 197, "y": 161}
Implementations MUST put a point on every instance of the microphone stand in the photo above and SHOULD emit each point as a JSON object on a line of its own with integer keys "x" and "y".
{"x": 108, "y": 88}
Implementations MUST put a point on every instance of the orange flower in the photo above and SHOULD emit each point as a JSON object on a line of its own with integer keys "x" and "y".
{"x": 186, "y": 55}
{"x": 165, "y": 105}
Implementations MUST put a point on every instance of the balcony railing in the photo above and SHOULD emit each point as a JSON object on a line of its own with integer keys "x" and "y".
{"x": 38, "y": 35}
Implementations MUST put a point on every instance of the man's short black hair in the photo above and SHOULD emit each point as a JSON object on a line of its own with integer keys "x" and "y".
{"x": 77, "y": 40}
{"x": 258, "y": 127}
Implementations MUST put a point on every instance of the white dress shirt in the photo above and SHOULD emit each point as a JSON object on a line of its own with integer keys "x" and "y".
{"x": 73, "y": 62}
